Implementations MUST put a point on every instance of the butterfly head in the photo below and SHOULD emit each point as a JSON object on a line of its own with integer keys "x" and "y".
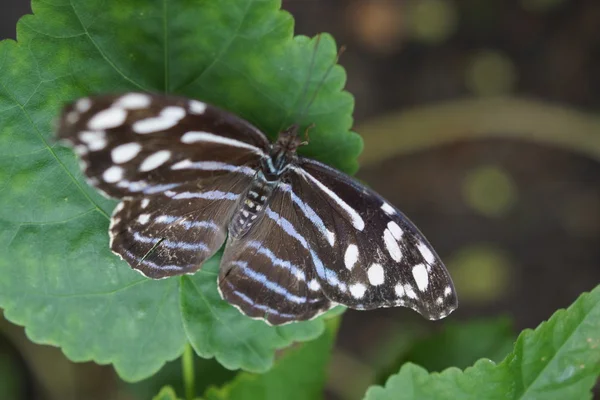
{"x": 283, "y": 153}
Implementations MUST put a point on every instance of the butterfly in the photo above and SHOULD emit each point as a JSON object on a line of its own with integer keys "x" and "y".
{"x": 301, "y": 237}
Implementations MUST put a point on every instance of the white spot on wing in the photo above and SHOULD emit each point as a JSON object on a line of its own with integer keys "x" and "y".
{"x": 125, "y": 152}
{"x": 389, "y": 210}
{"x": 155, "y": 160}
{"x": 351, "y": 256}
{"x": 113, "y": 174}
{"x": 144, "y": 203}
{"x": 395, "y": 229}
{"x": 426, "y": 253}
{"x": 143, "y": 218}
{"x": 392, "y": 246}
{"x": 314, "y": 285}
{"x": 168, "y": 118}
{"x": 133, "y": 101}
{"x": 106, "y": 119}
{"x": 95, "y": 140}
{"x": 447, "y": 291}
{"x": 83, "y": 105}
{"x": 81, "y": 150}
{"x": 409, "y": 291}
{"x": 197, "y": 107}
{"x": 421, "y": 276}
{"x": 357, "y": 290}
{"x": 72, "y": 117}
{"x": 399, "y": 289}
{"x": 183, "y": 164}
{"x": 375, "y": 274}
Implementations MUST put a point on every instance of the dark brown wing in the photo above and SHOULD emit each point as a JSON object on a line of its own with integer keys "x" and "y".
{"x": 269, "y": 273}
{"x": 140, "y": 144}
{"x": 178, "y": 164}
{"x": 372, "y": 255}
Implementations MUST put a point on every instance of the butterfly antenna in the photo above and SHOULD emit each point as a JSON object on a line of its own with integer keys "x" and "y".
{"x": 321, "y": 83}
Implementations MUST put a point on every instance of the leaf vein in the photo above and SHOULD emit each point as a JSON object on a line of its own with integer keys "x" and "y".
{"x": 557, "y": 353}
{"x": 104, "y": 56}
{"x": 224, "y": 48}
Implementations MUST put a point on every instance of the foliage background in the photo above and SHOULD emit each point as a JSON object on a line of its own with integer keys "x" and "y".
{"x": 514, "y": 213}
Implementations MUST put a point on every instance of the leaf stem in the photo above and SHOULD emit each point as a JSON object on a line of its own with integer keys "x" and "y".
{"x": 187, "y": 365}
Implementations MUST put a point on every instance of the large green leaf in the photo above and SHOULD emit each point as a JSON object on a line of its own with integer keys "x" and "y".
{"x": 559, "y": 360}
{"x": 299, "y": 375}
{"x": 59, "y": 279}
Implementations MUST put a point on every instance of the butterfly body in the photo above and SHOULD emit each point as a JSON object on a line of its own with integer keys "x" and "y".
{"x": 271, "y": 173}
{"x": 300, "y": 236}
{"x": 253, "y": 205}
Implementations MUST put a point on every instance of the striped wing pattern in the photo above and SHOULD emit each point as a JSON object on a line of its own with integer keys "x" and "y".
{"x": 137, "y": 144}
{"x": 173, "y": 233}
{"x": 269, "y": 273}
{"x": 380, "y": 259}
{"x": 301, "y": 236}
{"x": 179, "y": 165}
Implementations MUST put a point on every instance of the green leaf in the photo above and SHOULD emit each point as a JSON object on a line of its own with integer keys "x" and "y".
{"x": 233, "y": 340}
{"x": 300, "y": 374}
{"x": 60, "y": 280}
{"x": 166, "y": 393}
{"x": 559, "y": 360}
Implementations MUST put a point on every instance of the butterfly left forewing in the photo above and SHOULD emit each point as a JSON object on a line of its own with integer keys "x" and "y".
{"x": 373, "y": 255}
{"x": 139, "y": 144}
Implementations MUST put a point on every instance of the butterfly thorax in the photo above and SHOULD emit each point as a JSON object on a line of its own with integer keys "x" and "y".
{"x": 272, "y": 168}
{"x": 282, "y": 154}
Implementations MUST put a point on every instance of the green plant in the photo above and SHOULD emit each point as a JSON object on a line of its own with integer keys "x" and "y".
{"x": 61, "y": 282}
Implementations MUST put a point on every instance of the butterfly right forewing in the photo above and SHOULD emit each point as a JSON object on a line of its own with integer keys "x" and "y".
{"x": 373, "y": 256}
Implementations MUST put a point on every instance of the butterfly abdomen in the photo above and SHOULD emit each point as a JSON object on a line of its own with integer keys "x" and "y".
{"x": 252, "y": 207}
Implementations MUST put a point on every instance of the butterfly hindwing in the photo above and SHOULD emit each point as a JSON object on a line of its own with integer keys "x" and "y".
{"x": 269, "y": 272}
{"x": 373, "y": 255}
{"x": 174, "y": 232}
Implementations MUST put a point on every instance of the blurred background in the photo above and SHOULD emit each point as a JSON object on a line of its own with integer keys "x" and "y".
{"x": 480, "y": 122}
